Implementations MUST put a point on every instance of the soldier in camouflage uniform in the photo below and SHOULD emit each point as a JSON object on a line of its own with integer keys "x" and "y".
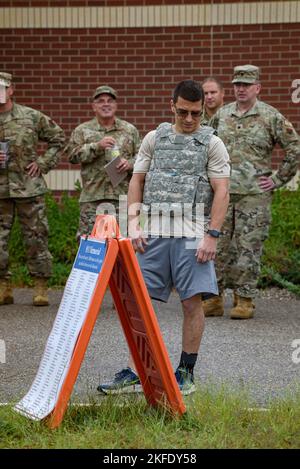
{"x": 213, "y": 98}
{"x": 90, "y": 145}
{"x": 178, "y": 165}
{"x": 22, "y": 187}
{"x": 250, "y": 129}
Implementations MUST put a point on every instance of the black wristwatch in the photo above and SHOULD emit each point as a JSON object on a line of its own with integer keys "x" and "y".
{"x": 214, "y": 233}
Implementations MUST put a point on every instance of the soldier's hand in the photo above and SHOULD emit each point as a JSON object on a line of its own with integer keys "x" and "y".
{"x": 106, "y": 142}
{"x": 33, "y": 169}
{"x": 123, "y": 166}
{"x": 266, "y": 183}
{"x": 136, "y": 234}
{"x": 207, "y": 249}
{"x": 139, "y": 245}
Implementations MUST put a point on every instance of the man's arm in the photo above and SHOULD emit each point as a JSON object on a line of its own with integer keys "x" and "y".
{"x": 136, "y": 189}
{"x": 220, "y": 202}
{"x": 288, "y": 139}
{"x": 208, "y": 246}
{"x": 79, "y": 151}
{"x": 135, "y": 197}
{"x": 51, "y": 133}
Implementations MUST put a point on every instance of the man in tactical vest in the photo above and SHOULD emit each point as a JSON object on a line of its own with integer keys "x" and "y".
{"x": 180, "y": 169}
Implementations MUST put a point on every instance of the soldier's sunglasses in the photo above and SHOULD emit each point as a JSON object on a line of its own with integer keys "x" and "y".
{"x": 183, "y": 113}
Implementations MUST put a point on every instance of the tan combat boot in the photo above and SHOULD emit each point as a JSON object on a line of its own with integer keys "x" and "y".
{"x": 243, "y": 308}
{"x": 6, "y": 293}
{"x": 235, "y": 299}
{"x": 40, "y": 296}
{"x": 214, "y": 306}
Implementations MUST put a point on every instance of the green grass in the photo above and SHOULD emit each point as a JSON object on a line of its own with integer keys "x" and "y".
{"x": 216, "y": 418}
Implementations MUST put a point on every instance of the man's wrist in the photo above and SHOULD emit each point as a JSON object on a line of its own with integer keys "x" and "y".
{"x": 213, "y": 233}
{"x": 277, "y": 181}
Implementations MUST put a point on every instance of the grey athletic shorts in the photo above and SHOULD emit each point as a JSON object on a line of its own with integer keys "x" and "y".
{"x": 167, "y": 263}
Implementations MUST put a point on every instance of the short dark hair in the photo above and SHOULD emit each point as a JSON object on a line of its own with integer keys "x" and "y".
{"x": 215, "y": 80}
{"x": 189, "y": 90}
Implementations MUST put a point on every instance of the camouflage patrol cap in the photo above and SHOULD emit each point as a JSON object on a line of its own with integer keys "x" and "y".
{"x": 245, "y": 74}
{"x": 105, "y": 89}
{"x": 5, "y": 79}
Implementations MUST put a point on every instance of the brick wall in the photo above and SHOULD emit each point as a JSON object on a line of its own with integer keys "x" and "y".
{"x": 108, "y": 3}
{"x": 56, "y": 70}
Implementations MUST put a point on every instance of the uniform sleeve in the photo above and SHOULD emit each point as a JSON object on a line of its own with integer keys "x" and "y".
{"x": 289, "y": 141}
{"x": 218, "y": 159}
{"x": 79, "y": 151}
{"x": 214, "y": 121}
{"x": 53, "y": 135}
{"x": 145, "y": 154}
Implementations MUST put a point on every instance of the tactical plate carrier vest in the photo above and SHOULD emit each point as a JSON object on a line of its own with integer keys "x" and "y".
{"x": 178, "y": 171}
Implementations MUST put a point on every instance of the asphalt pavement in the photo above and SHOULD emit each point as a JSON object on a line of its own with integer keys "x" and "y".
{"x": 260, "y": 354}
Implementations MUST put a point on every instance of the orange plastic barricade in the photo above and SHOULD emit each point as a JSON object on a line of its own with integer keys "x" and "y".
{"x": 121, "y": 271}
{"x": 142, "y": 331}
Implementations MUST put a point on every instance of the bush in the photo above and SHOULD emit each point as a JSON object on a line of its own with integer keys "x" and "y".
{"x": 281, "y": 257}
{"x": 280, "y": 261}
{"x": 63, "y": 222}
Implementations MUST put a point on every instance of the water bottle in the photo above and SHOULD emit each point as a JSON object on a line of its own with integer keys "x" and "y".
{"x": 115, "y": 151}
{"x": 112, "y": 153}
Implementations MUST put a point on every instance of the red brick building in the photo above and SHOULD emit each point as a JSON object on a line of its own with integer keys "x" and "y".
{"x": 60, "y": 50}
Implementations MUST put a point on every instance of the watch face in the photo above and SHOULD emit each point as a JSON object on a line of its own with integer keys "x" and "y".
{"x": 214, "y": 233}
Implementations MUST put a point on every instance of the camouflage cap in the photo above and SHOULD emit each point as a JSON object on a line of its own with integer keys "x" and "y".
{"x": 105, "y": 89}
{"x": 5, "y": 79}
{"x": 245, "y": 74}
